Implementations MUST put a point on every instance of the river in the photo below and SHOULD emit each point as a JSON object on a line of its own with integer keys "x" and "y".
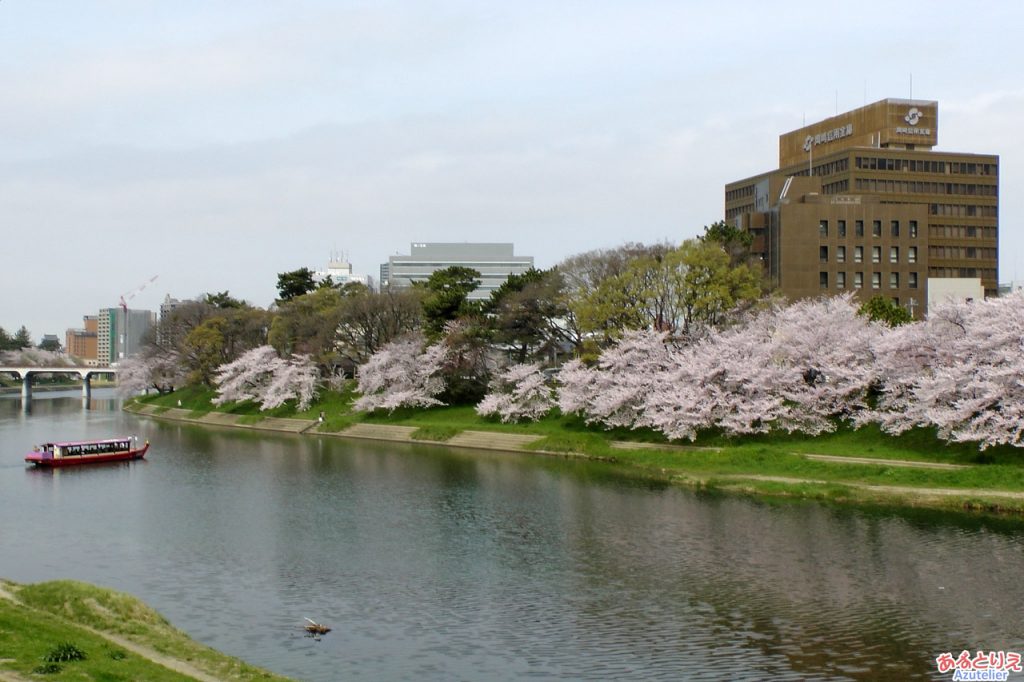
{"x": 437, "y": 564}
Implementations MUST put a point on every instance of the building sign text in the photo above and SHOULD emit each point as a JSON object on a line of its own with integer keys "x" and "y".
{"x": 828, "y": 136}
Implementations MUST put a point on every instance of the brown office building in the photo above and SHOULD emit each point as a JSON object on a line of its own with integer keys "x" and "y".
{"x": 861, "y": 202}
{"x": 81, "y": 343}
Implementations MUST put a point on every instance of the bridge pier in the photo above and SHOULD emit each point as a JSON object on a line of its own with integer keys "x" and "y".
{"x": 24, "y": 374}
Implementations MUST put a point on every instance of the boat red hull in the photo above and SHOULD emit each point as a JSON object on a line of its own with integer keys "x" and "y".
{"x": 88, "y": 459}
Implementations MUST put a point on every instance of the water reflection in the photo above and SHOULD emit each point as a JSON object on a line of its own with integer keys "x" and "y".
{"x": 433, "y": 564}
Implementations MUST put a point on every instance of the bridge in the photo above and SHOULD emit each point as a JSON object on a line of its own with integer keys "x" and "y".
{"x": 26, "y": 373}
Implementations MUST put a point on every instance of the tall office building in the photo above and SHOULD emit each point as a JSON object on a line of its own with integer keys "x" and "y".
{"x": 862, "y": 201}
{"x": 120, "y": 333}
{"x": 494, "y": 262}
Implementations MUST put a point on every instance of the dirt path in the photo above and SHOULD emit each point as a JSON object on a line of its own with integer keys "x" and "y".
{"x": 890, "y": 489}
{"x": 154, "y": 656}
{"x": 174, "y": 664}
{"x": 907, "y": 463}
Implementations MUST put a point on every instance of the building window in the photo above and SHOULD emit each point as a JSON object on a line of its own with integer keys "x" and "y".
{"x": 858, "y": 280}
{"x": 823, "y": 280}
{"x": 876, "y": 228}
{"x": 840, "y": 280}
{"x": 858, "y": 228}
{"x": 822, "y": 228}
{"x": 894, "y": 280}
{"x": 876, "y": 280}
{"x": 895, "y": 300}
{"x": 894, "y": 254}
{"x": 841, "y": 227}
{"x": 840, "y": 254}
{"x": 912, "y": 280}
{"x": 823, "y": 254}
{"x": 876, "y": 254}
{"x": 913, "y": 229}
{"x": 894, "y": 228}
{"x": 858, "y": 254}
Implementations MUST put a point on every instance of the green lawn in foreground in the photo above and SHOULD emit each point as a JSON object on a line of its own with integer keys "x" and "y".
{"x": 52, "y": 614}
{"x": 776, "y": 454}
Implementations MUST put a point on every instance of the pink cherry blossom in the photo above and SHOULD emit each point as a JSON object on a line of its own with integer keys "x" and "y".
{"x": 519, "y": 392}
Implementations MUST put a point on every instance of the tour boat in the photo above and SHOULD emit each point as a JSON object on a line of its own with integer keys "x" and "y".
{"x": 87, "y": 452}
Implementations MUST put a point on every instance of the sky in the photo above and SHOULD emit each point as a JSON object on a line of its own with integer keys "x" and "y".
{"x": 214, "y": 144}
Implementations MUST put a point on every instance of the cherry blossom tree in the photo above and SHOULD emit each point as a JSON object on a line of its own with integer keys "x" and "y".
{"x": 158, "y": 369}
{"x": 712, "y": 384}
{"x": 575, "y": 383}
{"x": 824, "y": 351}
{"x": 296, "y": 379}
{"x": 959, "y": 371}
{"x": 614, "y": 393}
{"x": 519, "y": 392}
{"x": 404, "y": 373}
{"x": 262, "y": 376}
{"x": 35, "y": 357}
{"x": 797, "y": 368}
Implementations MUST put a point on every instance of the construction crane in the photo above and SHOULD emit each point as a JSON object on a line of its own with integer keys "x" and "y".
{"x": 134, "y": 292}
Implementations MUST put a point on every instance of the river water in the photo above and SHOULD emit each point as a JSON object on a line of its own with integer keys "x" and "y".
{"x": 435, "y": 564}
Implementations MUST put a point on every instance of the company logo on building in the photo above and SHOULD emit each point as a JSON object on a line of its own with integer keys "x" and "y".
{"x": 913, "y": 117}
{"x": 827, "y": 136}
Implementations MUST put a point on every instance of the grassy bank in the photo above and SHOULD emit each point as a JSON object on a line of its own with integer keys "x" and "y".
{"x": 68, "y": 630}
{"x": 775, "y": 464}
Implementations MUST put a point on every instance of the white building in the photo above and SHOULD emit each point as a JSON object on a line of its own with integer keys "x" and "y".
{"x": 340, "y": 272}
{"x": 494, "y": 262}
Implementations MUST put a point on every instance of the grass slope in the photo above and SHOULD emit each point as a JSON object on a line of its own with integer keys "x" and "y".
{"x": 120, "y": 638}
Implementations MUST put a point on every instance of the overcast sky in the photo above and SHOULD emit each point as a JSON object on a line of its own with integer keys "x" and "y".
{"x": 217, "y": 143}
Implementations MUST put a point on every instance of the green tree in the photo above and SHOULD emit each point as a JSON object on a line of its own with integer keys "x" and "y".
{"x": 446, "y": 299}
{"x": 515, "y": 283}
{"x": 216, "y": 329}
{"x": 735, "y": 241}
{"x": 711, "y": 285}
{"x": 882, "y": 309}
{"x": 244, "y": 329}
{"x": 295, "y": 283}
{"x": 525, "y": 314}
{"x": 468, "y": 367}
{"x": 205, "y": 350}
{"x": 223, "y": 301}
{"x": 6, "y": 340}
{"x": 308, "y": 325}
{"x": 668, "y": 289}
{"x": 370, "y": 320}
{"x": 352, "y": 289}
{"x": 22, "y": 339}
{"x": 579, "y": 279}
